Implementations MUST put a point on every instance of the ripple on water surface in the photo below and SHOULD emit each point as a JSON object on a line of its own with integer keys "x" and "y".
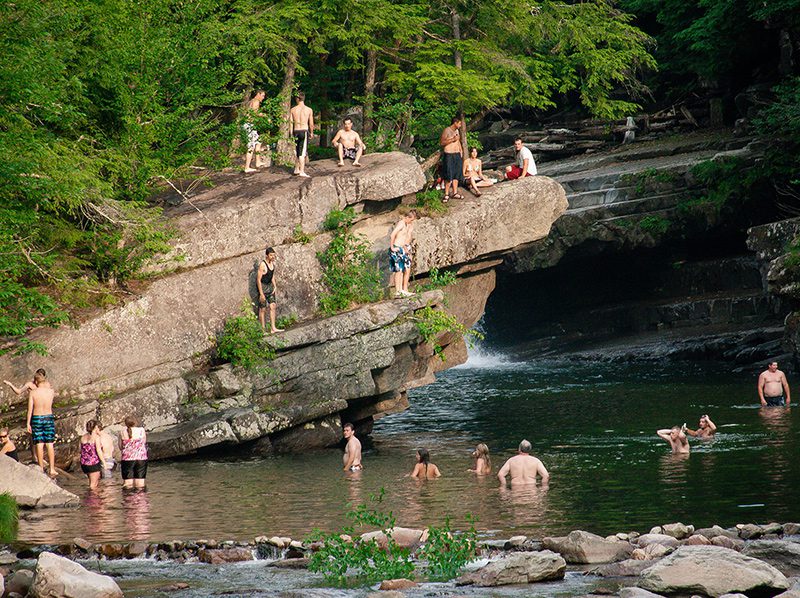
{"x": 593, "y": 425}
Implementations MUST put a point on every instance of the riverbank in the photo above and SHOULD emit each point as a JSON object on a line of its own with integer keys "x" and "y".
{"x": 761, "y": 558}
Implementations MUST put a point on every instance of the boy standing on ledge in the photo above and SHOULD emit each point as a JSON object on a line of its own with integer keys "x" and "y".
{"x": 41, "y": 422}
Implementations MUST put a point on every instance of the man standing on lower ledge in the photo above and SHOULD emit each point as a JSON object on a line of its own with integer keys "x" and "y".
{"x": 41, "y": 421}
{"x": 352, "y": 452}
{"x": 772, "y": 386}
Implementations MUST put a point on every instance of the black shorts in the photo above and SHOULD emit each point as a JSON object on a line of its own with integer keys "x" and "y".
{"x": 134, "y": 470}
{"x": 301, "y": 143}
{"x": 778, "y": 401}
{"x": 87, "y": 469}
{"x": 452, "y": 167}
{"x": 269, "y": 295}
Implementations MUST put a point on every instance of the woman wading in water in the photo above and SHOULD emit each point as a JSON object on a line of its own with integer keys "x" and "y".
{"x": 133, "y": 444}
{"x": 483, "y": 464}
{"x": 424, "y": 468}
{"x": 92, "y": 459}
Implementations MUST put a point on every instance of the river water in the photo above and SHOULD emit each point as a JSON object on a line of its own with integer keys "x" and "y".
{"x": 592, "y": 424}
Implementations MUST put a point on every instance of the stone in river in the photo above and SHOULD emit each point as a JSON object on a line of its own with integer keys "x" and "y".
{"x": 58, "y": 576}
{"x": 584, "y": 547}
{"x": 678, "y": 530}
{"x": 404, "y": 537}
{"x": 216, "y": 556}
{"x": 517, "y": 568}
{"x": 626, "y": 568}
{"x": 650, "y": 552}
{"x": 637, "y": 593}
{"x": 714, "y": 531}
{"x": 397, "y": 584}
{"x": 791, "y": 529}
{"x": 697, "y": 540}
{"x": 750, "y": 531}
{"x": 82, "y": 544}
{"x": 727, "y": 542}
{"x": 19, "y": 582}
{"x": 781, "y": 554}
{"x": 711, "y": 570}
{"x": 663, "y": 539}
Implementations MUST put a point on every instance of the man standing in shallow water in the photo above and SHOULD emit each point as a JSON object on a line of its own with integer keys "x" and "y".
{"x": 523, "y": 468}
{"x": 41, "y": 422}
{"x": 352, "y": 452}
{"x": 772, "y": 386}
{"x": 676, "y": 438}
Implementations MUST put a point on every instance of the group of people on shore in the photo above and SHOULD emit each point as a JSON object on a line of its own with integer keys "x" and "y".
{"x": 96, "y": 445}
{"x": 523, "y": 468}
{"x": 773, "y": 391}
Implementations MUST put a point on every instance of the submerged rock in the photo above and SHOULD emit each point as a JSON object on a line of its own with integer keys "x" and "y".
{"x": 517, "y": 568}
{"x": 584, "y": 547}
{"x": 711, "y": 570}
{"x": 58, "y": 576}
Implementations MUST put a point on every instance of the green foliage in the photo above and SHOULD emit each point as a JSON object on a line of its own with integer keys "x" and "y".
{"x": 356, "y": 561}
{"x": 429, "y": 203}
{"x": 447, "y": 552}
{"x": 432, "y": 323}
{"x": 266, "y": 121}
{"x": 9, "y": 516}
{"x": 349, "y": 271}
{"x": 286, "y": 321}
{"x": 298, "y": 236}
{"x": 242, "y": 342}
{"x": 438, "y": 279}
{"x": 656, "y": 225}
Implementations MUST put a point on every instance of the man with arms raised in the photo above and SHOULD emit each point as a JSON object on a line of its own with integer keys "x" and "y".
{"x": 41, "y": 422}
{"x": 348, "y": 143}
{"x": 524, "y": 165}
{"x": 705, "y": 431}
{"x": 523, "y": 468}
{"x": 677, "y": 439}
{"x": 352, "y": 452}
{"x": 772, "y": 386}
{"x": 302, "y": 123}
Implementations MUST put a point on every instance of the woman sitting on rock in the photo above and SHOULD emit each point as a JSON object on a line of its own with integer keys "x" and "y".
{"x": 92, "y": 459}
{"x": 424, "y": 468}
{"x": 483, "y": 464}
{"x": 133, "y": 444}
{"x": 473, "y": 173}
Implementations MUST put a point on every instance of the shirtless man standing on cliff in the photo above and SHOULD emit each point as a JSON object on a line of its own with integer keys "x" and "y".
{"x": 772, "y": 386}
{"x": 523, "y": 468}
{"x": 348, "y": 143}
{"x": 302, "y": 123}
{"x": 352, "y": 452}
{"x": 41, "y": 422}
{"x": 400, "y": 254}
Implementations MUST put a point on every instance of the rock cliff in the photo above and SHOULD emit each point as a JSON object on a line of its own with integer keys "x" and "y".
{"x": 150, "y": 356}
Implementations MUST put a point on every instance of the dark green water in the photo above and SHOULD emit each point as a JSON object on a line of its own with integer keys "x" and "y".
{"x": 593, "y": 425}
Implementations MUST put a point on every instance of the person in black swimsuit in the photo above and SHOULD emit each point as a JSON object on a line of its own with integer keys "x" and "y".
{"x": 266, "y": 290}
{"x": 7, "y": 446}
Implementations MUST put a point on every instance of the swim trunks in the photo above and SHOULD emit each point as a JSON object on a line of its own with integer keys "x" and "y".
{"x": 399, "y": 258}
{"x": 252, "y": 136}
{"x": 349, "y": 152}
{"x": 269, "y": 295}
{"x": 356, "y": 467}
{"x": 134, "y": 470}
{"x": 43, "y": 428}
{"x": 452, "y": 167}
{"x": 301, "y": 143}
{"x": 778, "y": 401}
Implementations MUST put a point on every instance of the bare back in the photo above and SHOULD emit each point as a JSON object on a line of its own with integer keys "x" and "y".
{"x": 426, "y": 472}
{"x": 107, "y": 443}
{"x": 42, "y": 397}
{"x": 301, "y": 117}
{"x": 523, "y": 470}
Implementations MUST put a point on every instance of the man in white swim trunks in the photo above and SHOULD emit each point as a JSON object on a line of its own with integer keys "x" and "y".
{"x": 352, "y": 452}
{"x": 253, "y": 144}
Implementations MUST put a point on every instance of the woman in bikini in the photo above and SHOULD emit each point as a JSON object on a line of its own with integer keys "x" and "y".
{"x": 473, "y": 172}
{"x": 7, "y": 446}
{"x": 424, "y": 468}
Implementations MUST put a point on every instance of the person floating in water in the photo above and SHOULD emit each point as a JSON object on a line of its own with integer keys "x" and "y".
{"x": 773, "y": 389}
{"x": 706, "y": 430}
{"x": 7, "y": 446}
{"x": 348, "y": 143}
{"x": 483, "y": 463}
{"x": 424, "y": 468}
{"x": 400, "y": 254}
{"x": 41, "y": 422}
{"x": 676, "y": 438}
{"x": 352, "y": 451}
{"x": 523, "y": 468}
{"x": 265, "y": 280}
{"x": 92, "y": 459}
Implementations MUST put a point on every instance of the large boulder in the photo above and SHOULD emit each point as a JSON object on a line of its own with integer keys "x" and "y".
{"x": 517, "y": 568}
{"x": 57, "y": 577}
{"x": 781, "y": 554}
{"x": 711, "y": 570}
{"x": 32, "y": 488}
{"x": 662, "y": 539}
{"x": 637, "y": 593}
{"x": 585, "y": 547}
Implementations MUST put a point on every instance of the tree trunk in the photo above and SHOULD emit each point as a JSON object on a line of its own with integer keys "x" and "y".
{"x": 455, "y": 20}
{"x": 369, "y": 89}
{"x": 285, "y": 147}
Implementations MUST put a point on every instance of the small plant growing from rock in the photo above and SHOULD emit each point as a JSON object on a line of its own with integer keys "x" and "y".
{"x": 656, "y": 225}
{"x": 438, "y": 279}
{"x": 446, "y": 552}
{"x": 336, "y": 219}
{"x": 242, "y": 342}
{"x": 298, "y": 236}
{"x": 9, "y": 516}
{"x": 286, "y": 321}
{"x": 429, "y": 203}
{"x": 431, "y": 323}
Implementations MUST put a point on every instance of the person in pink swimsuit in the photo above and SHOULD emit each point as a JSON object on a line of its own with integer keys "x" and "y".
{"x": 133, "y": 444}
{"x": 92, "y": 458}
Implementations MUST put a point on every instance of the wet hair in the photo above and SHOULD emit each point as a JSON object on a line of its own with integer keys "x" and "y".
{"x": 300, "y": 96}
{"x": 348, "y": 425}
{"x": 456, "y": 119}
{"x": 91, "y": 425}
{"x": 675, "y": 429}
{"x": 39, "y": 377}
{"x": 482, "y": 452}
{"x": 524, "y": 447}
{"x": 346, "y": 118}
{"x": 269, "y": 250}
{"x": 131, "y": 422}
{"x": 424, "y": 456}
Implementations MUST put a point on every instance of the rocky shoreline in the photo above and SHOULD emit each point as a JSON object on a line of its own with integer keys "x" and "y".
{"x": 671, "y": 559}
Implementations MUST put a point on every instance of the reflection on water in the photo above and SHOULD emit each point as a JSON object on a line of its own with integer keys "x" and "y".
{"x": 593, "y": 426}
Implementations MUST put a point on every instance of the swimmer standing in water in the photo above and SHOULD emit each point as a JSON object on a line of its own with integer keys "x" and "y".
{"x": 676, "y": 438}
{"x": 352, "y": 451}
{"x": 483, "y": 463}
{"x": 706, "y": 430}
{"x": 424, "y": 468}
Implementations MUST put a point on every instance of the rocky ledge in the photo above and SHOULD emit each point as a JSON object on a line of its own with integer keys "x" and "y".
{"x": 750, "y": 559}
{"x": 151, "y": 356}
